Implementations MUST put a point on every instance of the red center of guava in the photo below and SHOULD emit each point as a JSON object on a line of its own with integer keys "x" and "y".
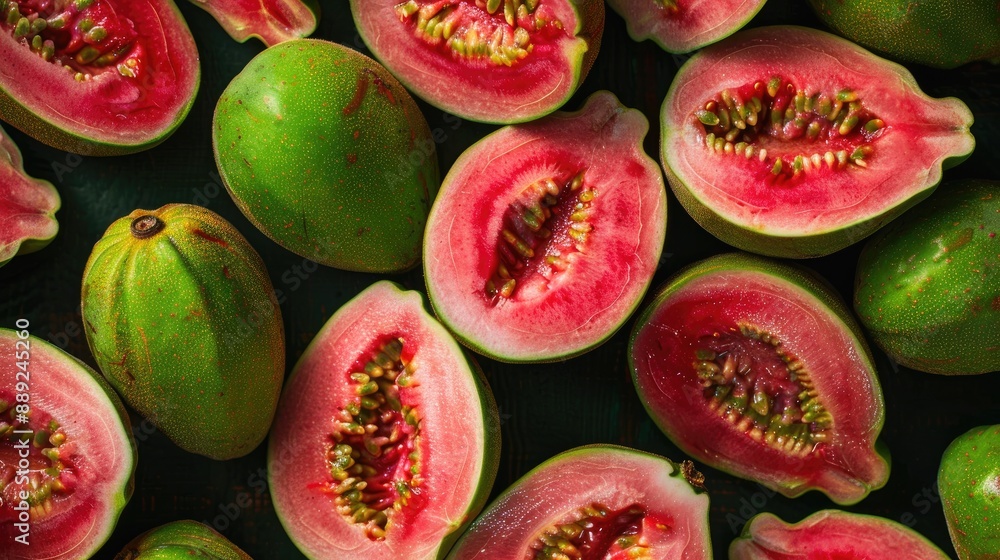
{"x": 86, "y": 37}
{"x": 542, "y": 232}
{"x": 373, "y": 459}
{"x": 599, "y": 534}
{"x": 492, "y": 32}
{"x": 788, "y": 131}
{"x": 36, "y": 464}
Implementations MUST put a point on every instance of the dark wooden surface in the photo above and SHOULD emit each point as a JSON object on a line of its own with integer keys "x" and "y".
{"x": 544, "y": 409}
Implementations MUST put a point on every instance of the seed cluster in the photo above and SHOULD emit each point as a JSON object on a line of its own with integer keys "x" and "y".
{"x": 373, "y": 459}
{"x": 74, "y": 34}
{"x": 540, "y": 229}
{"x": 741, "y": 121}
{"x": 790, "y": 418}
{"x": 577, "y": 540}
{"x": 501, "y": 41}
{"x": 43, "y": 483}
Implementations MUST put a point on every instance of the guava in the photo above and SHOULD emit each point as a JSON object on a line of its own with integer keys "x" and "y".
{"x": 927, "y": 287}
{"x": 67, "y": 456}
{"x": 271, "y": 21}
{"x": 937, "y": 33}
{"x": 181, "y": 318}
{"x": 969, "y": 482}
{"x": 757, "y": 368}
{"x": 181, "y": 540}
{"x": 593, "y": 503}
{"x": 831, "y": 534}
{"x": 328, "y": 155}
{"x": 387, "y": 437}
{"x": 496, "y": 61}
{"x": 546, "y": 235}
{"x": 27, "y": 206}
{"x": 681, "y": 26}
{"x": 96, "y": 77}
{"x": 792, "y": 142}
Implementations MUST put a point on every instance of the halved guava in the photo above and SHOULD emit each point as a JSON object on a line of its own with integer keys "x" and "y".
{"x": 597, "y": 502}
{"x": 831, "y": 534}
{"x": 758, "y": 369}
{"x": 271, "y": 21}
{"x": 181, "y": 540}
{"x": 96, "y": 77}
{"x": 681, "y": 26}
{"x": 792, "y": 142}
{"x": 387, "y": 439}
{"x": 498, "y": 61}
{"x": 546, "y": 235}
{"x": 67, "y": 456}
{"x": 27, "y": 206}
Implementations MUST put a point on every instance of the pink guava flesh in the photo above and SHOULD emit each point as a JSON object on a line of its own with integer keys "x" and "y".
{"x": 681, "y": 26}
{"x": 273, "y": 21}
{"x": 27, "y": 205}
{"x": 545, "y": 236}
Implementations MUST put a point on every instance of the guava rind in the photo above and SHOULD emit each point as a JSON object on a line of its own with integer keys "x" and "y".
{"x": 831, "y": 534}
{"x": 180, "y": 540}
{"x": 570, "y": 315}
{"x": 697, "y": 23}
{"x": 611, "y": 475}
{"x": 969, "y": 483}
{"x": 185, "y": 325}
{"x": 90, "y": 123}
{"x": 101, "y": 429}
{"x": 27, "y": 206}
{"x": 936, "y": 33}
{"x": 527, "y": 90}
{"x": 819, "y": 214}
{"x": 271, "y": 21}
{"x": 460, "y": 437}
{"x": 853, "y": 462}
{"x": 327, "y": 154}
{"x": 927, "y": 287}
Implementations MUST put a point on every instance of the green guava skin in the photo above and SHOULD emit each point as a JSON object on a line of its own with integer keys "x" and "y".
{"x": 181, "y": 540}
{"x": 327, "y": 154}
{"x": 969, "y": 482}
{"x": 184, "y": 324}
{"x": 936, "y": 33}
{"x": 928, "y": 285}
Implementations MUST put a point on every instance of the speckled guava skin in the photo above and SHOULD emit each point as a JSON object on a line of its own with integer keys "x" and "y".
{"x": 181, "y": 540}
{"x": 327, "y": 154}
{"x": 969, "y": 482}
{"x": 938, "y": 33}
{"x": 928, "y": 286}
{"x": 184, "y": 324}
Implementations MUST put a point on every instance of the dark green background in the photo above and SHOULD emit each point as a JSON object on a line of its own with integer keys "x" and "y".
{"x": 544, "y": 409}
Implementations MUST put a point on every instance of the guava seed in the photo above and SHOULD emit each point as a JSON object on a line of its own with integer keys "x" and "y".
{"x": 594, "y": 532}
{"x": 50, "y": 470}
{"x": 790, "y": 131}
{"x": 373, "y": 457}
{"x": 762, "y": 389}
{"x": 542, "y": 229}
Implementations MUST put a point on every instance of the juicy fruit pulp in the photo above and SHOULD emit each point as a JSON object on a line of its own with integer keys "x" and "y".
{"x": 27, "y": 206}
{"x": 327, "y": 154}
{"x": 593, "y": 503}
{"x": 681, "y": 26}
{"x": 180, "y": 315}
{"x": 928, "y": 286}
{"x": 545, "y": 235}
{"x": 386, "y": 441}
{"x": 938, "y": 33}
{"x": 808, "y": 152}
{"x": 831, "y": 534}
{"x": 499, "y": 61}
{"x": 66, "y": 453}
{"x": 108, "y": 77}
{"x": 181, "y": 540}
{"x": 757, "y": 369}
{"x": 271, "y": 21}
{"x": 969, "y": 482}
